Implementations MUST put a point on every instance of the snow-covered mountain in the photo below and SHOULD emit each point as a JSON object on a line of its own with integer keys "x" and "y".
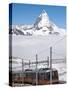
{"x": 42, "y": 26}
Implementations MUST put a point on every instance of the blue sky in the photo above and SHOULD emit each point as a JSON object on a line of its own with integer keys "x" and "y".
{"x": 27, "y": 14}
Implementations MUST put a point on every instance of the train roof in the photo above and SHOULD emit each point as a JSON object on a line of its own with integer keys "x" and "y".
{"x": 47, "y": 69}
{"x": 41, "y": 70}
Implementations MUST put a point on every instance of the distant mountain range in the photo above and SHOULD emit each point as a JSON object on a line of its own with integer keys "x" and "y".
{"x": 42, "y": 26}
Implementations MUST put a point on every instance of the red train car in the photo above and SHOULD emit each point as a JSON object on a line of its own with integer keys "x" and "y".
{"x": 39, "y": 77}
{"x": 42, "y": 78}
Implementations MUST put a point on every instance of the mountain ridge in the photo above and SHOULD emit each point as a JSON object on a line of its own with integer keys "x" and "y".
{"x": 42, "y": 26}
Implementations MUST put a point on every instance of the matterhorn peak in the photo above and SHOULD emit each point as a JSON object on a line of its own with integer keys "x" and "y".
{"x": 42, "y": 26}
{"x": 44, "y": 13}
{"x": 42, "y": 20}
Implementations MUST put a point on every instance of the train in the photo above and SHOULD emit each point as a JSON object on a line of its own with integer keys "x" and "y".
{"x": 40, "y": 76}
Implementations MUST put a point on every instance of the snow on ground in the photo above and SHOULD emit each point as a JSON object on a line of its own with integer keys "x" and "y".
{"x": 27, "y": 47}
{"x": 61, "y": 67}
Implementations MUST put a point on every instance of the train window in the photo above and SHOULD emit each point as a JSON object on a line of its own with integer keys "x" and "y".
{"x": 41, "y": 76}
{"x": 17, "y": 75}
{"x": 48, "y": 75}
{"x": 45, "y": 76}
{"x": 31, "y": 75}
{"x": 54, "y": 75}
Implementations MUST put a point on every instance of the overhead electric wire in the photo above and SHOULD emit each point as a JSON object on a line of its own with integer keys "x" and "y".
{"x": 57, "y": 53}
{"x": 58, "y": 41}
